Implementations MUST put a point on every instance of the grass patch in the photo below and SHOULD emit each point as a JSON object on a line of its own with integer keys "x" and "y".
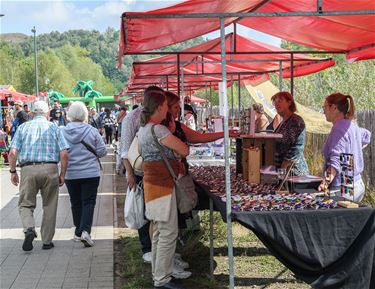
{"x": 254, "y": 266}
{"x": 134, "y": 272}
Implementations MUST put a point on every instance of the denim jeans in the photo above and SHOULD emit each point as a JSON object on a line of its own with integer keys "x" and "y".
{"x": 82, "y": 194}
{"x": 143, "y": 233}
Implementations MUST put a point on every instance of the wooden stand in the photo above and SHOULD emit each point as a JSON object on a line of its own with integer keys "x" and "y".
{"x": 347, "y": 204}
{"x": 253, "y": 152}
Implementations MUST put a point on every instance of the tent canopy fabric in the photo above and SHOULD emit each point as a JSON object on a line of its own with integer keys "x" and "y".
{"x": 352, "y": 34}
{"x": 197, "y": 99}
{"x": 198, "y": 70}
{"x": 147, "y": 34}
{"x": 4, "y": 93}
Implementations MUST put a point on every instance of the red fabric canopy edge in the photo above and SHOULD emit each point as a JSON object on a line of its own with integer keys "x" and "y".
{"x": 334, "y": 33}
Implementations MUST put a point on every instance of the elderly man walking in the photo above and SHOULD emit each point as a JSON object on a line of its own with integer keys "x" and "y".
{"x": 39, "y": 146}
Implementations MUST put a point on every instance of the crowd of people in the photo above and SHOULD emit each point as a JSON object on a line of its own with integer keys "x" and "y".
{"x": 76, "y": 138}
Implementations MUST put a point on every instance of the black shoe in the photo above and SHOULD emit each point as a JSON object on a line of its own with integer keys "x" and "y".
{"x": 48, "y": 246}
{"x": 29, "y": 238}
{"x": 170, "y": 285}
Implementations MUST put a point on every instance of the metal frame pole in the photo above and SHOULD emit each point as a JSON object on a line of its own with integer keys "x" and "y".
{"x": 210, "y": 98}
{"x": 231, "y": 93}
{"x": 36, "y": 63}
{"x": 182, "y": 97}
{"x": 280, "y": 76}
{"x": 292, "y": 74}
{"x": 239, "y": 101}
{"x": 142, "y": 15}
{"x": 178, "y": 75}
{"x": 227, "y": 155}
{"x": 211, "y": 239}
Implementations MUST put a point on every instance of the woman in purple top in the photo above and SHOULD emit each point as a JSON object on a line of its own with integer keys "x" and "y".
{"x": 345, "y": 137}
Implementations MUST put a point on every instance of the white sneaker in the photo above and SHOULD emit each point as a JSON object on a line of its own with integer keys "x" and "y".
{"x": 86, "y": 239}
{"x": 147, "y": 257}
{"x": 180, "y": 273}
{"x": 76, "y": 238}
{"x": 179, "y": 262}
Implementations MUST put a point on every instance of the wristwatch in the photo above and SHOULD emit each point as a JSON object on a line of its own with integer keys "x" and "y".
{"x": 12, "y": 172}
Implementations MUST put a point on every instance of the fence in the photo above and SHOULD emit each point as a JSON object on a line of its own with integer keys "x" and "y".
{"x": 366, "y": 119}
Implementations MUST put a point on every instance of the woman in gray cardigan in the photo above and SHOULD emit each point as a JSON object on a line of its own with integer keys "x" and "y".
{"x": 83, "y": 173}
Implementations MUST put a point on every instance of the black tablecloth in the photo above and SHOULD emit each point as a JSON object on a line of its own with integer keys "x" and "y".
{"x": 332, "y": 248}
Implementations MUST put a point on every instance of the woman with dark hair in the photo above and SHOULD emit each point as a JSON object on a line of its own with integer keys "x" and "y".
{"x": 109, "y": 125}
{"x": 183, "y": 132}
{"x": 159, "y": 190}
{"x": 345, "y": 138}
{"x": 58, "y": 119}
{"x": 289, "y": 149}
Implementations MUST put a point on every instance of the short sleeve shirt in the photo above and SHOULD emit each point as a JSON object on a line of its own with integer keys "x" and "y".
{"x": 149, "y": 150}
{"x": 39, "y": 141}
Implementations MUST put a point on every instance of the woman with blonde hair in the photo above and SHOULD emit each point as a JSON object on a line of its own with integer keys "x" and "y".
{"x": 345, "y": 138}
{"x": 159, "y": 191}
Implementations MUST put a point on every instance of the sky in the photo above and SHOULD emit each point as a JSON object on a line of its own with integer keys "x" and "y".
{"x": 61, "y": 15}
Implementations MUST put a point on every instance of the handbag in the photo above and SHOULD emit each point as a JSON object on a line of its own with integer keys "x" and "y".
{"x": 134, "y": 157}
{"x": 187, "y": 197}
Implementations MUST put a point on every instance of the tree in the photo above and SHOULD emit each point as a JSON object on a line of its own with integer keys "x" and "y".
{"x": 356, "y": 79}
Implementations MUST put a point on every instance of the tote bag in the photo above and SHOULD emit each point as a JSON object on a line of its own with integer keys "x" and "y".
{"x": 134, "y": 208}
{"x": 134, "y": 157}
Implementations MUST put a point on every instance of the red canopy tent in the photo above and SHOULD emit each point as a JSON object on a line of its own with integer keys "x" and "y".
{"x": 331, "y": 28}
{"x": 328, "y": 24}
{"x": 354, "y": 34}
{"x": 197, "y": 99}
{"x": 198, "y": 70}
{"x": 4, "y": 93}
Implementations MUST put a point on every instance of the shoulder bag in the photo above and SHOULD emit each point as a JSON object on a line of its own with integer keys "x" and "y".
{"x": 187, "y": 197}
{"x": 134, "y": 157}
{"x": 92, "y": 150}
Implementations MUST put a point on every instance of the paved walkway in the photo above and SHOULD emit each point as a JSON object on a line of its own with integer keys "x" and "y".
{"x": 69, "y": 264}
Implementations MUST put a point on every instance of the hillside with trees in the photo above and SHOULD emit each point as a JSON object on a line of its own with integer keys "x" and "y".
{"x": 64, "y": 58}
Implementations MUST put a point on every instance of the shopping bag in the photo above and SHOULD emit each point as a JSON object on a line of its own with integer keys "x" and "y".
{"x": 134, "y": 208}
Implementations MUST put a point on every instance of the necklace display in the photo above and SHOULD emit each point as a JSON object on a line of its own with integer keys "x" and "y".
{"x": 256, "y": 197}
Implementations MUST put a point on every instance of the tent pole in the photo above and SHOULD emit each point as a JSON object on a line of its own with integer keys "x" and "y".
{"x": 280, "y": 76}
{"x": 232, "y": 43}
{"x": 178, "y": 75}
{"x": 210, "y": 98}
{"x": 211, "y": 239}
{"x": 226, "y": 155}
{"x": 292, "y": 74}
{"x": 167, "y": 82}
{"x": 239, "y": 101}
{"x": 182, "y": 95}
{"x": 235, "y": 36}
{"x": 231, "y": 92}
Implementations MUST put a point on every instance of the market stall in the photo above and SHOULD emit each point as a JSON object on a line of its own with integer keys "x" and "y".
{"x": 323, "y": 244}
{"x": 191, "y": 19}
